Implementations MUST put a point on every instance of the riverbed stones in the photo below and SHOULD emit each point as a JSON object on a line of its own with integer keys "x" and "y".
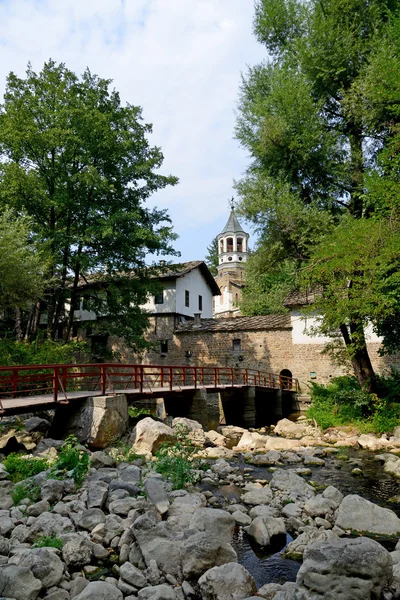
{"x": 256, "y": 497}
{"x": 19, "y": 583}
{"x": 357, "y": 514}
{"x": 156, "y": 494}
{"x": 214, "y": 521}
{"x": 45, "y": 565}
{"x": 228, "y": 582}
{"x": 148, "y": 435}
{"x": 203, "y": 551}
{"x": 100, "y": 590}
{"x": 132, "y": 575}
{"x": 194, "y": 429}
{"x": 309, "y": 535}
{"x": 291, "y": 484}
{"x": 77, "y": 550}
{"x": 349, "y": 569}
{"x": 264, "y": 529}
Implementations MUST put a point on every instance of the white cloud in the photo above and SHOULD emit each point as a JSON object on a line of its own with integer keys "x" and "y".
{"x": 179, "y": 59}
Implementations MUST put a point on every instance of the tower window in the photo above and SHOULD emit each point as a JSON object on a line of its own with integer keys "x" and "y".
{"x": 200, "y": 302}
{"x": 159, "y": 298}
{"x": 229, "y": 243}
{"x": 221, "y": 246}
{"x": 187, "y": 301}
{"x": 240, "y": 244}
{"x": 236, "y": 345}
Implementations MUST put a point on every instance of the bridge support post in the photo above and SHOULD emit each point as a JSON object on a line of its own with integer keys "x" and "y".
{"x": 249, "y": 408}
{"x": 198, "y": 410}
{"x": 278, "y": 412}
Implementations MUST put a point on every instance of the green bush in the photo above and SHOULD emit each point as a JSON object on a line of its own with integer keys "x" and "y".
{"x": 22, "y": 491}
{"x": 21, "y": 467}
{"x": 47, "y": 541}
{"x": 73, "y": 461}
{"x": 176, "y": 461}
{"x": 42, "y": 352}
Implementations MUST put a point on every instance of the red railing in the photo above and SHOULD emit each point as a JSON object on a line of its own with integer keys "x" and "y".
{"x": 58, "y": 380}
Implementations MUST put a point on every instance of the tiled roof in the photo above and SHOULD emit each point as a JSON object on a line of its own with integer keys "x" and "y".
{"x": 301, "y": 297}
{"x": 233, "y": 225}
{"x": 238, "y": 324}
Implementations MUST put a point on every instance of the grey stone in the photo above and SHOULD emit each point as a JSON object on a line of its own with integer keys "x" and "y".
{"x": 4, "y": 546}
{"x": 76, "y": 550}
{"x": 255, "y": 497}
{"x": 77, "y": 586}
{"x": 241, "y": 518}
{"x": 216, "y": 522}
{"x": 349, "y": 569}
{"x": 313, "y": 460}
{"x": 91, "y": 517}
{"x": 228, "y": 582}
{"x": 332, "y": 493}
{"x": 101, "y": 459}
{"x": 156, "y": 494}
{"x": 273, "y": 457}
{"x": 97, "y": 494}
{"x": 6, "y": 525}
{"x": 357, "y": 514}
{"x": 202, "y": 551}
{"x": 157, "y": 592}
{"x": 36, "y": 424}
{"x": 309, "y": 536}
{"x": 319, "y": 506}
{"x": 132, "y": 575}
{"x": 122, "y": 507}
{"x": 148, "y": 435}
{"x": 50, "y": 524}
{"x": 269, "y": 591}
{"x": 34, "y": 510}
{"x": 100, "y": 590}
{"x": 156, "y": 542}
{"x": 19, "y": 583}
{"x": 291, "y": 483}
{"x": 264, "y": 529}
{"x": 58, "y": 595}
{"x": 45, "y": 565}
{"x": 52, "y": 490}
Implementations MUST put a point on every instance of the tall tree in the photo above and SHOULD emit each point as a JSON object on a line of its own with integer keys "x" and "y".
{"x": 211, "y": 258}
{"x": 80, "y": 164}
{"x": 302, "y": 116}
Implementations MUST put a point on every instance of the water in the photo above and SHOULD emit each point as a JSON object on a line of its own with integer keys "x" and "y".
{"x": 375, "y": 485}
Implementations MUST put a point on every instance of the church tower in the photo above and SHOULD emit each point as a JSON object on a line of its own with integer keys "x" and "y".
{"x": 232, "y": 256}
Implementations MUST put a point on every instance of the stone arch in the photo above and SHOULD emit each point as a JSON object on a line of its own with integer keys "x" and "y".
{"x": 285, "y": 379}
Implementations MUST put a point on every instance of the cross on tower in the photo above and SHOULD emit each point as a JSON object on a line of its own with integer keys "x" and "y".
{"x": 232, "y": 203}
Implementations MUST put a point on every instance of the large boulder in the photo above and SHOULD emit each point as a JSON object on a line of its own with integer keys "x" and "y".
{"x": 19, "y": 583}
{"x": 228, "y": 582}
{"x": 194, "y": 429}
{"x": 203, "y": 551}
{"x": 157, "y": 542}
{"x": 349, "y": 569}
{"x": 291, "y": 484}
{"x": 148, "y": 435}
{"x": 215, "y": 522}
{"x": 310, "y": 535}
{"x": 257, "y": 496}
{"x": 357, "y": 514}
{"x": 251, "y": 441}
{"x": 264, "y": 529}
{"x": 45, "y": 565}
{"x": 291, "y": 429}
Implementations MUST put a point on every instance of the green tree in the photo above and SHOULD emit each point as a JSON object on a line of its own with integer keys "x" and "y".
{"x": 212, "y": 256}
{"x": 80, "y": 164}
{"x": 22, "y": 266}
{"x": 303, "y": 116}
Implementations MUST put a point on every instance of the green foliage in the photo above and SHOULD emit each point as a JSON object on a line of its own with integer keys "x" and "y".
{"x": 176, "y": 461}
{"x": 21, "y": 467}
{"x": 22, "y": 263}
{"x": 48, "y": 541}
{"x": 123, "y": 452}
{"x": 211, "y": 258}
{"x": 73, "y": 461}
{"x": 135, "y": 412}
{"x": 42, "y": 352}
{"x": 27, "y": 490}
{"x": 80, "y": 165}
{"x": 343, "y": 402}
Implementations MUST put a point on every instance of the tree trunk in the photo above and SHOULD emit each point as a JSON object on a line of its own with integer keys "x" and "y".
{"x": 18, "y": 324}
{"x": 359, "y": 356}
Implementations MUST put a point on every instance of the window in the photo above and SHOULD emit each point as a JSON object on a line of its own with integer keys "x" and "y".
{"x": 164, "y": 346}
{"x": 229, "y": 243}
{"x": 229, "y": 257}
{"x": 236, "y": 345}
{"x": 187, "y": 303}
{"x": 159, "y": 298}
{"x": 200, "y": 302}
{"x": 240, "y": 244}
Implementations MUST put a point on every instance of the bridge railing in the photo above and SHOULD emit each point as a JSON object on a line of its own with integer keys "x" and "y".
{"x": 58, "y": 380}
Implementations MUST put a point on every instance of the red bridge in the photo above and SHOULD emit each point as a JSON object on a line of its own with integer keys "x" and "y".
{"x": 42, "y": 387}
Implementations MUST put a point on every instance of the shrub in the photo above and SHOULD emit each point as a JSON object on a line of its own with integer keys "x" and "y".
{"x": 42, "y": 352}
{"x": 21, "y": 467}
{"x": 123, "y": 453}
{"x": 22, "y": 491}
{"x": 47, "y": 541}
{"x": 72, "y": 461}
{"x": 176, "y": 461}
{"x": 135, "y": 412}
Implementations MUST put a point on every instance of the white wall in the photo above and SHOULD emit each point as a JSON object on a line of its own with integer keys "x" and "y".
{"x": 197, "y": 285}
{"x": 169, "y": 304}
{"x": 301, "y": 327}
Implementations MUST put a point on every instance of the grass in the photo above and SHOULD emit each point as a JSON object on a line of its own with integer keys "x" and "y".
{"x": 72, "y": 462}
{"x": 21, "y": 467}
{"x": 48, "y": 541}
{"x": 22, "y": 491}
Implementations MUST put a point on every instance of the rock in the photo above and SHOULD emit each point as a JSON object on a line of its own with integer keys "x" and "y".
{"x": 264, "y": 529}
{"x": 291, "y": 429}
{"x": 148, "y": 435}
{"x": 58, "y": 594}
{"x": 251, "y": 441}
{"x": 194, "y": 430}
{"x": 256, "y": 497}
{"x": 97, "y": 494}
{"x": 52, "y": 490}
{"x": 100, "y": 590}
{"x": 291, "y": 483}
{"x": 232, "y": 434}
{"x": 34, "y": 510}
{"x": 275, "y": 443}
{"x": 357, "y": 514}
{"x": 19, "y": 583}
{"x": 157, "y": 542}
{"x": 123, "y": 506}
{"x": 156, "y": 493}
{"x": 36, "y": 424}
{"x": 101, "y": 459}
{"x": 157, "y": 592}
{"x": 202, "y": 551}
{"x": 90, "y": 518}
{"x": 45, "y": 565}
{"x": 77, "y": 586}
{"x": 310, "y": 460}
{"x": 273, "y": 457}
{"x": 349, "y": 569}
{"x": 228, "y": 582}
{"x": 13, "y": 440}
{"x": 310, "y": 535}
{"x": 370, "y": 442}
{"x": 214, "y": 521}
{"x": 215, "y": 438}
{"x": 319, "y": 506}
{"x": 269, "y": 591}
{"x": 50, "y": 524}
{"x": 6, "y": 525}
{"x": 132, "y": 575}
{"x": 241, "y": 518}
{"x": 332, "y": 493}
{"x": 76, "y": 550}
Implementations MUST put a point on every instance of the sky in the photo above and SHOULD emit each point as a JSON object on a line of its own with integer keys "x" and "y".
{"x": 181, "y": 60}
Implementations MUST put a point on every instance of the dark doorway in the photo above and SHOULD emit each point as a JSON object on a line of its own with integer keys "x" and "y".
{"x": 285, "y": 379}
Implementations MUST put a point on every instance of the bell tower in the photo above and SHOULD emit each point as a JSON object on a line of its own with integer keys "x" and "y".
{"x": 232, "y": 256}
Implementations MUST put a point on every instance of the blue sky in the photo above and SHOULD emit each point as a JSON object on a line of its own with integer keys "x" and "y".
{"x": 180, "y": 60}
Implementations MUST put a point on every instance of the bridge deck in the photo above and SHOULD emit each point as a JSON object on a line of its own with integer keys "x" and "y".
{"x": 41, "y": 387}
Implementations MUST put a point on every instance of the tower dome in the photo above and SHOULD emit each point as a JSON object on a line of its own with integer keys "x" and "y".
{"x": 232, "y": 243}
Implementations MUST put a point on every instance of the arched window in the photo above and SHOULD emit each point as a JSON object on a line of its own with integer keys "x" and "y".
{"x": 229, "y": 243}
{"x": 221, "y": 246}
{"x": 240, "y": 244}
{"x": 285, "y": 379}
